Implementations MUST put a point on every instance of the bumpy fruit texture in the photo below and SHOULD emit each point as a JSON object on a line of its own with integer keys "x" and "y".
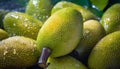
{"x": 65, "y": 62}
{"x": 92, "y": 33}
{"x": 87, "y": 15}
{"x": 111, "y": 18}
{"x": 39, "y": 9}
{"x": 21, "y": 24}
{"x": 3, "y": 34}
{"x": 61, "y": 32}
{"x": 106, "y": 54}
{"x": 18, "y": 52}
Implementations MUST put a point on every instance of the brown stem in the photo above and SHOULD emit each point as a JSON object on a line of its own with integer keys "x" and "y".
{"x": 43, "y": 58}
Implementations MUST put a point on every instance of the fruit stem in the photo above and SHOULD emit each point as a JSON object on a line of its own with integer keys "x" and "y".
{"x": 44, "y": 56}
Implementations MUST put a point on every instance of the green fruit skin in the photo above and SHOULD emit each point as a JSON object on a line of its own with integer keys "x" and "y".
{"x": 92, "y": 33}
{"x": 18, "y": 52}
{"x": 3, "y": 34}
{"x": 106, "y": 54}
{"x": 87, "y": 15}
{"x": 21, "y": 24}
{"x": 111, "y": 19}
{"x": 65, "y": 62}
{"x": 61, "y": 32}
{"x": 39, "y": 9}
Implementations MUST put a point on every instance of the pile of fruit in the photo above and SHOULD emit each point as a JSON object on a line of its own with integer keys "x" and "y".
{"x": 60, "y": 35}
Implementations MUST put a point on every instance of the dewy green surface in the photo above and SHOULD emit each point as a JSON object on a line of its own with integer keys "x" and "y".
{"x": 61, "y": 32}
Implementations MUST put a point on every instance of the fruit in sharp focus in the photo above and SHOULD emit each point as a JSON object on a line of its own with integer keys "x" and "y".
{"x": 92, "y": 33}
{"x": 61, "y": 32}
{"x": 39, "y": 9}
{"x": 18, "y": 52}
{"x": 87, "y": 15}
{"x": 17, "y": 23}
{"x": 3, "y": 34}
{"x": 65, "y": 62}
{"x": 111, "y": 18}
{"x": 106, "y": 54}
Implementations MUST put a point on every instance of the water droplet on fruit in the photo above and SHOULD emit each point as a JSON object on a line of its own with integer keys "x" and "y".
{"x": 107, "y": 20}
{"x": 87, "y": 33}
{"x": 14, "y": 51}
{"x": 25, "y": 25}
{"x": 5, "y": 52}
{"x": 47, "y": 16}
{"x": 15, "y": 16}
{"x": 25, "y": 19}
{"x": 106, "y": 26}
{"x": 35, "y": 2}
{"x": 14, "y": 24}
